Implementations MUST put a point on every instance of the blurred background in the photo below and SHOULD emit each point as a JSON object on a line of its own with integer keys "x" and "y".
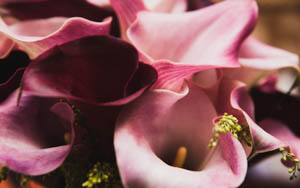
{"x": 279, "y": 24}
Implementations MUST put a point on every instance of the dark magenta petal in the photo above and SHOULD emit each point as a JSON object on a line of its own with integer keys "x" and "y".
{"x": 32, "y": 134}
{"x": 51, "y": 8}
{"x": 38, "y": 9}
{"x": 97, "y": 70}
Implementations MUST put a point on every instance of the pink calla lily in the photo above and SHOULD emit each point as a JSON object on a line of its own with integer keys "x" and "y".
{"x": 32, "y": 129}
{"x": 150, "y": 130}
{"x": 152, "y": 33}
{"x": 258, "y": 60}
{"x": 98, "y": 74}
{"x": 32, "y": 134}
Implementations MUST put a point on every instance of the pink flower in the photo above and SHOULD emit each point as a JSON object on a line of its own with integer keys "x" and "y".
{"x": 215, "y": 36}
{"x": 85, "y": 71}
{"x": 32, "y": 132}
{"x": 179, "y": 46}
{"x": 150, "y": 131}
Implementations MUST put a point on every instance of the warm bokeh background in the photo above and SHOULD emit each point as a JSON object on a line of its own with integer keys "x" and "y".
{"x": 279, "y": 24}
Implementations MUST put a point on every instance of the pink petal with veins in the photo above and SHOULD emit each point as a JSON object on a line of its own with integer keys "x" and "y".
{"x": 283, "y": 133}
{"x": 236, "y": 100}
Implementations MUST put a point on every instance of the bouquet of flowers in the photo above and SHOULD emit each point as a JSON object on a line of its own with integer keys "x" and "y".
{"x": 144, "y": 93}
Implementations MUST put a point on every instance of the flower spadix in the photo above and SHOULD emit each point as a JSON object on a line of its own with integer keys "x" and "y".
{"x": 180, "y": 157}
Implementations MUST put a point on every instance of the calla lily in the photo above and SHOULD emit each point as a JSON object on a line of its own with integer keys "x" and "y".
{"x": 258, "y": 60}
{"x": 32, "y": 134}
{"x": 88, "y": 70}
{"x": 79, "y": 71}
{"x": 32, "y": 130}
{"x": 160, "y": 36}
{"x": 98, "y": 74}
{"x": 150, "y": 130}
{"x": 164, "y": 41}
{"x": 147, "y": 31}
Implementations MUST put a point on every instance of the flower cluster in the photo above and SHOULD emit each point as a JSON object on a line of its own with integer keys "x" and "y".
{"x": 157, "y": 94}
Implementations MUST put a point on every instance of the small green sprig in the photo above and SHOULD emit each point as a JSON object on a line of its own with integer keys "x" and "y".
{"x": 24, "y": 180}
{"x": 101, "y": 174}
{"x": 286, "y": 155}
{"x": 229, "y": 123}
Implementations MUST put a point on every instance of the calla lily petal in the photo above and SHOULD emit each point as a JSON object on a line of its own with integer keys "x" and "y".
{"x": 172, "y": 6}
{"x": 239, "y": 102}
{"x": 164, "y": 36}
{"x": 150, "y": 130}
{"x": 88, "y": 70}
{"x": 127, "y": 12}
{"x": 283, "y": 133}
{"x": 255, "y": 54}
{"x": 56, "y": 31}
{"x": 172, "y": 76}
{"x": 99, "y": 3}
{"x": 6, "y": 45}
{"x": 258, "y": 59}
{"x": 32, "y": 134}
{"x": 22, "y": 9}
